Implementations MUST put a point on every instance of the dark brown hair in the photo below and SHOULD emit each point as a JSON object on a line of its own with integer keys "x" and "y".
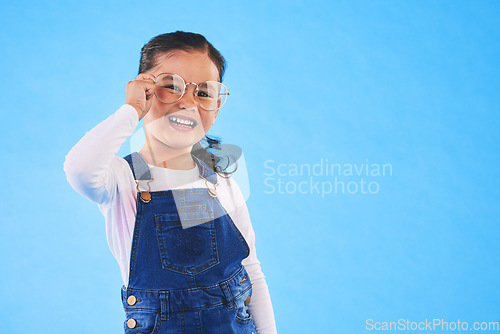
{"x": 179, "y": 40}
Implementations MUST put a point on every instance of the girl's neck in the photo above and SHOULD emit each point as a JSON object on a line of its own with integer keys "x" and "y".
{"x": 158, "y": 154}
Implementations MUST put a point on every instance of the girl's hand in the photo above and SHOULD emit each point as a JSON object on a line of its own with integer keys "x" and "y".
{"x": 140, "y": 92}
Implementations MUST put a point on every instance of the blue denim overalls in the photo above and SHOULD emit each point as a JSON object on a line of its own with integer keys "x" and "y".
{"x": 185, "y": 272}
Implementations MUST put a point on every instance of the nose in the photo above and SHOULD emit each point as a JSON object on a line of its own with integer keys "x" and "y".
{"x": 188, "y": 100}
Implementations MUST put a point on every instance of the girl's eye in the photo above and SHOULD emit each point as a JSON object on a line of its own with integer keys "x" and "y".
{"x": 203, "y": 94}
{"x": 172, "y": 87}
{"x": 209, "y": 90}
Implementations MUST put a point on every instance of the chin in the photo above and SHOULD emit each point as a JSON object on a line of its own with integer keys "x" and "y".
{"x": 179, "y": 142}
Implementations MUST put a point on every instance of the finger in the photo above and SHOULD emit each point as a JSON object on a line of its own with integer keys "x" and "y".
{"x": 144, "y": 84}
{"x": 149, "y": 93}
{"x": 148, "y": 87}
{"x": 146, "y": 77}
{"x": 149, "y": 102}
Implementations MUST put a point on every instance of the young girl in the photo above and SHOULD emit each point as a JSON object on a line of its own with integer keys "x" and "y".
{"x": 176, "y": 222}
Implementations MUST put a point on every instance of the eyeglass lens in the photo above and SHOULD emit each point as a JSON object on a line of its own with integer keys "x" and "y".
{"x": 171, "y": 87}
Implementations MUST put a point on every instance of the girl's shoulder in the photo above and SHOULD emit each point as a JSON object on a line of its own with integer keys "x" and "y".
{"x": 123, "y": 174}
{"x": 235, "y": 188}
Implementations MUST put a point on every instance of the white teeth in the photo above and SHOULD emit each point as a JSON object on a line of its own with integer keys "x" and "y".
{"x": 182, "y": 121}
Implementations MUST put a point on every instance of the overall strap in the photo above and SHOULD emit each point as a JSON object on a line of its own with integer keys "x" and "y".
{"x": 139, "y": 167}
{"x": 205, "y": 171}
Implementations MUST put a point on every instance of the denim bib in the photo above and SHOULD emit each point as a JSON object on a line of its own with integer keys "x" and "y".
{"x": 185, "y": 272}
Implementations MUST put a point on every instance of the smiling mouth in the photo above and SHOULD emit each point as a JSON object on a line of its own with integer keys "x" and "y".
{"x": 182, "y": 123}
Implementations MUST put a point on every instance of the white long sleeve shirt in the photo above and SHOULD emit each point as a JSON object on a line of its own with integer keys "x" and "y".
{"x": 95, "y": 171}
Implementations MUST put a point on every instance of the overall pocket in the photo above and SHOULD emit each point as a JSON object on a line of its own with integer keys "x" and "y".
{"x": 188, "y": 246}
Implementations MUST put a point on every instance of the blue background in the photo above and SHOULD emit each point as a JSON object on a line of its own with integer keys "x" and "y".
{"x": 413, "y": 84}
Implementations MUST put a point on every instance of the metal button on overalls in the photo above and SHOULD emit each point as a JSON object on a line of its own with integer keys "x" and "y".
{"x": 131, "y": 300}
{"x": 131, "y": 323}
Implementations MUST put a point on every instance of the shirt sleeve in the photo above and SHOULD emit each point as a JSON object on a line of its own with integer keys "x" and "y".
{"x": 88, "y": 163}
{"x": 260, "y": 305}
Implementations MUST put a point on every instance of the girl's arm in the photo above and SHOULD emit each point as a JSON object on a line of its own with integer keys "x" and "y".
{"x": 88, "y": 163}
{"x": 260, "y": 305}
{"x": 88, "y": 166}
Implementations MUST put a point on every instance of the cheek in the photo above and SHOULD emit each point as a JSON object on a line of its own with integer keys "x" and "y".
{"x": 207, "y": 121}
{"x": 157, "y": 111}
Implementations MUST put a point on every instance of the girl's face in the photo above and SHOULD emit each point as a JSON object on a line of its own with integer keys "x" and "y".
{"x": 160, "y": 122}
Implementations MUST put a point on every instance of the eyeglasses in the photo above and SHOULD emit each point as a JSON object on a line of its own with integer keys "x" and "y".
{"x": 170, "y": 88}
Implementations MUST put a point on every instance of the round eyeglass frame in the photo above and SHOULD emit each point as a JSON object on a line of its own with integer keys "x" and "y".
{"x": 195, "y": 91}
